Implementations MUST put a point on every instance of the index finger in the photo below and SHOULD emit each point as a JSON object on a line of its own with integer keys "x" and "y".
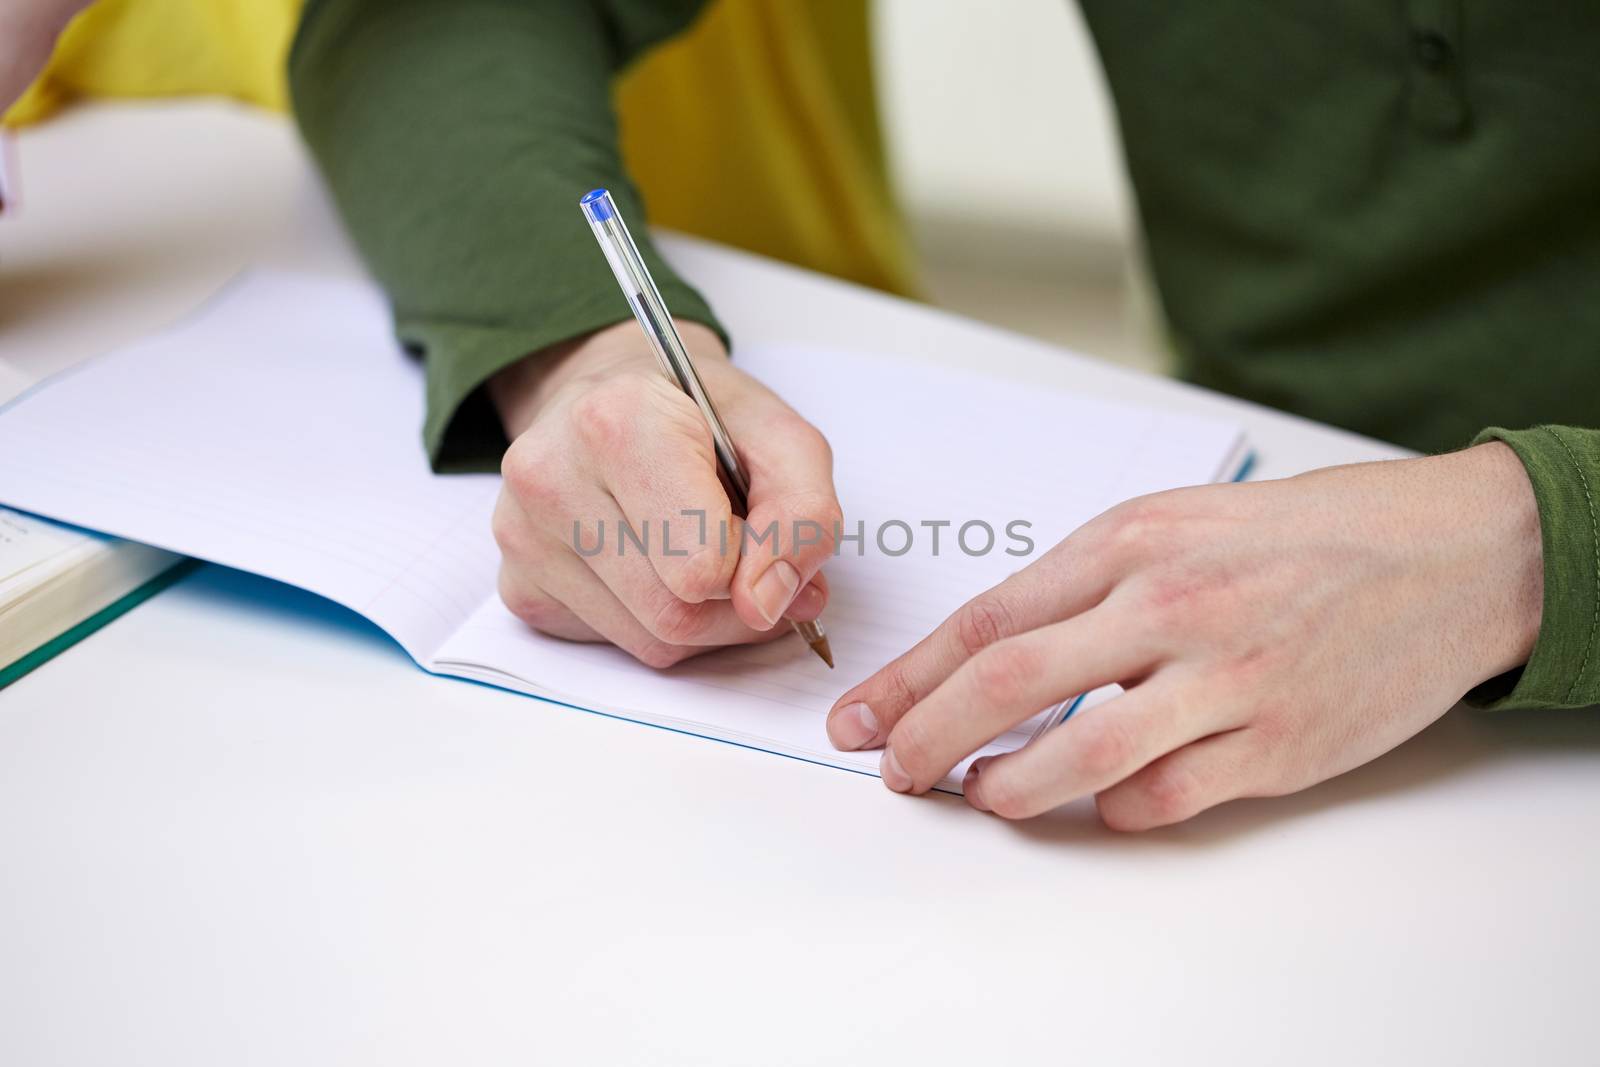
{"x": 1009, "y": 682}
{"x": 794, "y": 513}
{"x": 1059, "y": 585}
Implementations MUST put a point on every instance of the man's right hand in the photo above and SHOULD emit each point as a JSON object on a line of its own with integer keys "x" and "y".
{"x": 600, "y": 436}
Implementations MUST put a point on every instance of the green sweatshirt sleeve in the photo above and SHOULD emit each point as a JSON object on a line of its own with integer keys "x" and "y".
{"x": 457, "y": 137}
{"x": 1563, "y": 463}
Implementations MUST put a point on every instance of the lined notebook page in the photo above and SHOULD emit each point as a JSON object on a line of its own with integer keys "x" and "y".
{"x": 912, "y": 444}
{"x": 275, "y": 431}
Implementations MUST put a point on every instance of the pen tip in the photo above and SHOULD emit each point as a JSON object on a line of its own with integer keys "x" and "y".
{"x": 824, "y": 653}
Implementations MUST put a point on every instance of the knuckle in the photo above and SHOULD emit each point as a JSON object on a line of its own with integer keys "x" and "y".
{"x": 981, "y": 622}
{"x": 518, "y": 464}
{"x": 898, "y": 692}
{"x": 1170, "y": 795}
{"x": 1267, "y": 734}
{"x": 1279, "y": 764}
{"x": 833, "y": 527}
{"x": 798, "y": 511}
{"x": 699, "y": 576}
{"x": 1171, "y": 602}
{"x": 1005, "y": 799}
{"x": 1117, "y": 814}
{"x": 1255, "y": 661}
{"x": 531, "y": 606}
{"x": 1005, "y": 671}
{"x": 675, "y": 622}
{"x": 531, "y": 475}
{"x": 1137, "y": 527}
{"x": 1275, "y": 780}
{"x": 801, "y": 435}
{"x": 659, "y": 654}
{"x": 507, "y": 529}
{"x": 816, "y": 440}
{"x": 830, "y": 517}
{"x": 1105, "y": 752}
{"x": 605, "y": 416}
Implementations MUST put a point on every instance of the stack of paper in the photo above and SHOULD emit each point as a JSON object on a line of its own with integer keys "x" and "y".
{"x": 54, "y": 578}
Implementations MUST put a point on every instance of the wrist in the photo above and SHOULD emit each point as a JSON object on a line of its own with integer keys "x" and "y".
{"x": 1498, "y": 499}
{"x": 522, "y": 390}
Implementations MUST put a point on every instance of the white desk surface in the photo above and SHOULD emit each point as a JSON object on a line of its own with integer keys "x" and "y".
{"x": 237, "y": 826}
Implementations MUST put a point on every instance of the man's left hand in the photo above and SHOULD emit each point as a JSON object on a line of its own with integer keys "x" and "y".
{"x": 1268, "y": 636}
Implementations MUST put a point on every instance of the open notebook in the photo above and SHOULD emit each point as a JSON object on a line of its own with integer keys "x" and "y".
{"x": 276, "y": 432}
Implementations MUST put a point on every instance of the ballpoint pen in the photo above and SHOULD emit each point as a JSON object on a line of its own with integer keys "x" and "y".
{"x": 651, "y": 311}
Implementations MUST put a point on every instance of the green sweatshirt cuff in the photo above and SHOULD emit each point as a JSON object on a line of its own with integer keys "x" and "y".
{"x": 462, "y": 430}
{"x": 1564, "y": 670}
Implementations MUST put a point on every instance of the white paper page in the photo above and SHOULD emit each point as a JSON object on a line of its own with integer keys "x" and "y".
{"x": 912, "y": 444}
{"x": 276, "y": 431}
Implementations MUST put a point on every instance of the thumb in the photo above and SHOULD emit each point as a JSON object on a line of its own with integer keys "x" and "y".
{"x": 794, "y": 517}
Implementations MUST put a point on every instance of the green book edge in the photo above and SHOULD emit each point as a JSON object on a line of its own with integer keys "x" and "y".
{"x": 67, "y": 638}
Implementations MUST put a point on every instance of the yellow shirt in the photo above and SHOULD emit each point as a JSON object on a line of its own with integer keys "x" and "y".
{"x": 770, "y": 97}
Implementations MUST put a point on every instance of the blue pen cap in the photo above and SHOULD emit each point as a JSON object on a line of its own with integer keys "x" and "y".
{"x": 597, "y": 205}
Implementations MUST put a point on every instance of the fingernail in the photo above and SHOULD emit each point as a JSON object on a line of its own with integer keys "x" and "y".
{"x": 852, "y": 726}
{"x": 894, "y": 776}
{"x": 969, "y": 785}
{"x": 807, "y": 602}
{"x": 775, "y": 589}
